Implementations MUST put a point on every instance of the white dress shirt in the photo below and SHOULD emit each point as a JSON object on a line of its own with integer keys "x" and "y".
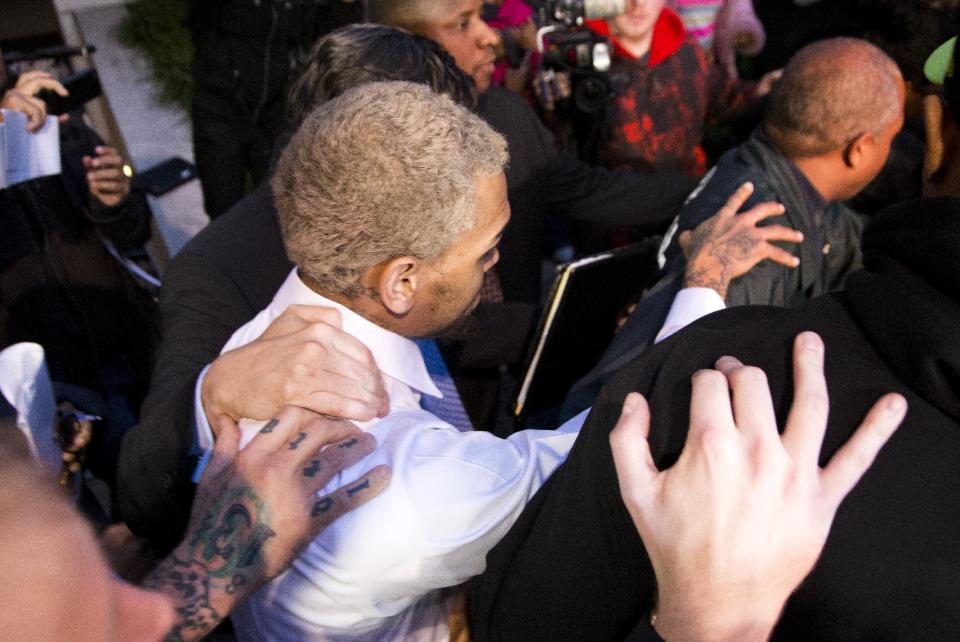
{"x": 378, "y": 572}
{"x": 689, "y": 305}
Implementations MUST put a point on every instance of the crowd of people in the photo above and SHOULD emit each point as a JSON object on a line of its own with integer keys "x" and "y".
{"x": 303, "y": 435}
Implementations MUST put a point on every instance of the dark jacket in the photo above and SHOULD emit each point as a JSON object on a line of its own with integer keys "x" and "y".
{"x": 232, "y": 269}
{"x": 59, "y": 286}
{"x": 891, "y": 564}
{"x": 830, "y": 251}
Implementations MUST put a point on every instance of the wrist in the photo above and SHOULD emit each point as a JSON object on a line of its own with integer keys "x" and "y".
{"x": 733, "y": 619}
{"x": 698, "y": 277}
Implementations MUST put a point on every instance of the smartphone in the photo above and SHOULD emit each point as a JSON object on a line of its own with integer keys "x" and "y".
{"x": 162, "y": 178}
{"x": 83, "y": 86}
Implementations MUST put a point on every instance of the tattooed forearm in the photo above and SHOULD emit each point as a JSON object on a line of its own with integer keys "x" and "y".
{"x": 709, "y": 267}
{"x": 188, "y": 583}
{"x": 208, "y": 572}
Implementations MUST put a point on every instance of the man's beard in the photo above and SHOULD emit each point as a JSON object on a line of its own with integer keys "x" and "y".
{"x": 460, "y": 330}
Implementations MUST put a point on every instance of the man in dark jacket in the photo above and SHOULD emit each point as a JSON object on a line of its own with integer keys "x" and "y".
{"x": 824, "y": 137}
{"x": 889, "y": 568}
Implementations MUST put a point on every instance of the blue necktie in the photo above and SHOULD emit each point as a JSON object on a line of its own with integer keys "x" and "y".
{"x": 449, "y": 408}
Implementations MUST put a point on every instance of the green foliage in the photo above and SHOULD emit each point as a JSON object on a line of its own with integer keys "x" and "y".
{"x": 158, "y": 28}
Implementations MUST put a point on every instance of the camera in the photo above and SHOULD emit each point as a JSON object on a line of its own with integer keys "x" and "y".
{"x": 567, "y": 45}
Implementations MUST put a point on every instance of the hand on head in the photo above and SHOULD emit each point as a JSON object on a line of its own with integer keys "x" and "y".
{"x": 730, "y": 243}
{"x": 302, "y": 359}
{"x": 735, "y": 525}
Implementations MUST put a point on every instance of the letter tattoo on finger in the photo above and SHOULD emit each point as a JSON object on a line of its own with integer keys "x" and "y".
{"x": 322, "y": 506}
{"x": 361, "y": 486}
{"x": 270, "y": 425}
{"x": 297, "y": 440}
{"x": 312, "y": 469}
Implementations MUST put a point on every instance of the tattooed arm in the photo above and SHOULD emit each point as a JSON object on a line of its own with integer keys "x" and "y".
{"x": 728, "y": 245}
{"x": 256, "y": 510}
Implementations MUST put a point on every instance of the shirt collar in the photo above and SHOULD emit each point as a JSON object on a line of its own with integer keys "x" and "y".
{"x": 396, "y": 356}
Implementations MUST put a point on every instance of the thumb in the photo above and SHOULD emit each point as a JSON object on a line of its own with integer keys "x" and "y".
{"x": 225, "y": 448}
{"x": 636, "y": 470}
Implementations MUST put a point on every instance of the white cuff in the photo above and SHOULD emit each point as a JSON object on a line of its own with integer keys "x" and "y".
{"x": 689, "y": 305}
{"x": 202, "y": 431}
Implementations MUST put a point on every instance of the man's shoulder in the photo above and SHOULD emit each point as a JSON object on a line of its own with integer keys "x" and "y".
{"x": 242, "y": 248}
{"x": 509, "y": 114}
{"x": 732, "y": 170}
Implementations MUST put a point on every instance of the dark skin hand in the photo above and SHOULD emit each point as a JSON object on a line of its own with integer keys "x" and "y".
{"x": 729, "y": 244}
{"x": 256, "y": 510}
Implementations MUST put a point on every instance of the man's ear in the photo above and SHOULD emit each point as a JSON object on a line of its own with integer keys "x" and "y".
{"x": 933, "y": 118}
{"x": 856, "y": 150}
{"x": 396, "y": 282}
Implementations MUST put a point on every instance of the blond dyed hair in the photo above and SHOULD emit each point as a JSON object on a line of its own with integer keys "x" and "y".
{"x": 387, "y": 169}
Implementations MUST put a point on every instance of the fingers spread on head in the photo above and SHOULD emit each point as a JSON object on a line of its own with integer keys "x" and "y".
{"x": 710, "y": 407}
{"x": 807, "y": 420}
{"x": 853, "y": 459}
{"x": 752, "y": 405}
{"x": 631, "y": 450}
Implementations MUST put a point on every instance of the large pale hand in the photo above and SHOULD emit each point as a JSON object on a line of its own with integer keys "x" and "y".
{"x": 734, "y": 526}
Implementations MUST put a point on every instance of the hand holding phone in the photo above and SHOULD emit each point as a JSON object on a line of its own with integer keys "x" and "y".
{"x": 81, "y": 87}
{"x": 25, "y": 97}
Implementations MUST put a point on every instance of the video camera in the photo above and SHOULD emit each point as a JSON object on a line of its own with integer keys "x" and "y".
{"x": 569, "y": 46}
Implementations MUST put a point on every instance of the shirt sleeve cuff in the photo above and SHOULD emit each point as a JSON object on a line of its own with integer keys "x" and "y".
{"x": 689, "y": 305}
{"x": 203, "y": 434}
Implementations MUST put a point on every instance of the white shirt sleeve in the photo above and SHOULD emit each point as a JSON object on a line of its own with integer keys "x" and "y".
{"x": 202, "y": 432}
{"x": 451, "y": 498}
{"x": 689, "y": 305}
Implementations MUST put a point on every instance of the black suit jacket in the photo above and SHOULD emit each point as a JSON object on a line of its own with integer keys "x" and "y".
{"x": 573, "y": 566}
{"x": 232, "y": 269}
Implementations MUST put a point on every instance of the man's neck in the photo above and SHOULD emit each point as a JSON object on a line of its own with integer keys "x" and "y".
{"x": 638, "y": 47}
{"x": 821, "y": 173}
{"x": 367, "y": 307}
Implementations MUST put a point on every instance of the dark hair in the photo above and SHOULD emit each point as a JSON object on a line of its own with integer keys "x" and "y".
{"x": 361, "y": 53}
{"x": 904, "y": 31}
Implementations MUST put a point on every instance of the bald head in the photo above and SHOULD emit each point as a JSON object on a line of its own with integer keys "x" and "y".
{"x": 44, "y": 569}
{"x": 831, "y": 92}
